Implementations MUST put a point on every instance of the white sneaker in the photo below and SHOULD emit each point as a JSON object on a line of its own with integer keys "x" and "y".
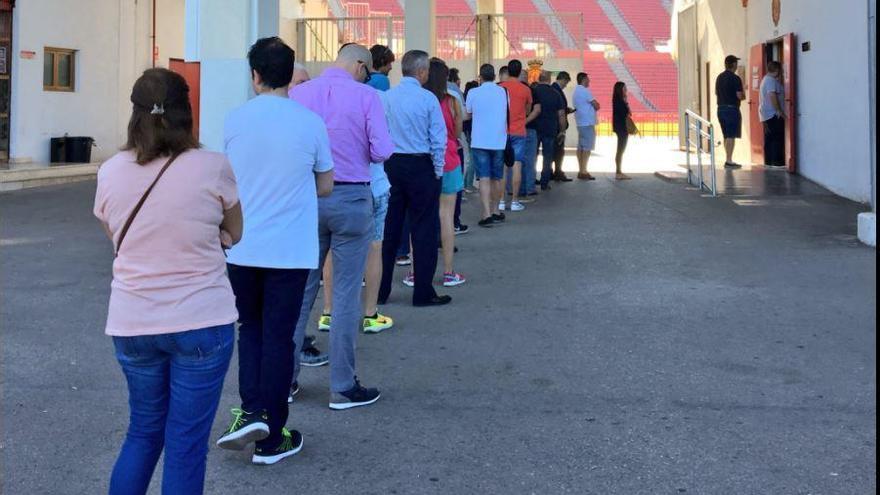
{"x": 516, "y": 206}
{"x": 501, "y": 205}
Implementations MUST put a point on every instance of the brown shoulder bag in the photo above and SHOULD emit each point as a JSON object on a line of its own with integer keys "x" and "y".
{"x": 140, "y": 203}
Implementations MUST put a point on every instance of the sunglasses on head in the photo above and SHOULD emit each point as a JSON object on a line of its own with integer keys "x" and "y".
{"x": 367, "y": 70}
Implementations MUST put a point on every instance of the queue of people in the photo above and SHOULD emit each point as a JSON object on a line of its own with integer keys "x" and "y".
{"x": 321, "y": 182}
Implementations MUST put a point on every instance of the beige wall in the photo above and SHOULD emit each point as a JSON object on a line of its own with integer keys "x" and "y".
{"x": 112, "y": 50}
{"x": 833, "y": 94}
{"x": 170, "y": 26}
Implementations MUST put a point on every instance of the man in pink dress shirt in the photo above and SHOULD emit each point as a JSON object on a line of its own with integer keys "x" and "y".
{"x": 359, "y": 135}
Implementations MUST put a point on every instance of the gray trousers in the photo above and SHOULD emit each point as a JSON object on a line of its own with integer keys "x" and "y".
{"x": 345, "y": 228}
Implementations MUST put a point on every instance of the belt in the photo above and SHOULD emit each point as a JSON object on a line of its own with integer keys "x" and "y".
{"x": 415, "y": 155}
{"x": 728, "y": 106}
{"x": 337, "y": 183}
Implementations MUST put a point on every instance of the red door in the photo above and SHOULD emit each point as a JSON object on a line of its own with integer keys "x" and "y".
{"x": 789, "y": 74}
{"x": 191, "y": 71}
{"x": 756, "y": 71}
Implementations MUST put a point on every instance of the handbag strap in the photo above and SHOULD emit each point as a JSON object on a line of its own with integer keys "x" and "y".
{"x": 140, "y": 203}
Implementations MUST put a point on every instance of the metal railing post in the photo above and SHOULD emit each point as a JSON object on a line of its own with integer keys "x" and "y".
{"x": 712, "y": 158}
{"x": 687, "y": 143}
{"x": 700, "y": 153}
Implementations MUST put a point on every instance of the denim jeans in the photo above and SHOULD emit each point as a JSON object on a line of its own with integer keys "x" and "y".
{"x": 174, "y": 385}
{"x": 531, "y": 159}
{"x": 269, "y": 302}
{"x": 469, "y": 171}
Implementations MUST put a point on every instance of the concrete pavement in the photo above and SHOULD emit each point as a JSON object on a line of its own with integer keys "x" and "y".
{"x": 614, "y": 338}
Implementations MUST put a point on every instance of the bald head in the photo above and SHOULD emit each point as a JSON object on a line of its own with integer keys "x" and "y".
{"x": 300, "y": 75}
{"x": 545, "y": 77}
{"x": 355, "y": 59}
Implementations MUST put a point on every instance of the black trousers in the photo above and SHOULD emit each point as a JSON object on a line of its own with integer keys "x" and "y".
{"x": 269, "y": 301}
{"x": 415, "y": 193}
{"x": 559, "y": 155}
{"x": 774, "y": 142}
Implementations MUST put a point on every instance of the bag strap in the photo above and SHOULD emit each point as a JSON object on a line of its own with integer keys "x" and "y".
{"x": 140, "y": 203}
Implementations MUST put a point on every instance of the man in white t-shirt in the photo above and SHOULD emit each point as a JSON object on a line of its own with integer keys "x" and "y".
{"x": 487, "y": 106}
{"x": 585, "y": 108}
{"x": 280, "y": 153}
{"x": 772, "y": 96}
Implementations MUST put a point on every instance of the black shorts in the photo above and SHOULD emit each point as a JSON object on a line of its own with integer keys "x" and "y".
{"x": 730, "y": 119}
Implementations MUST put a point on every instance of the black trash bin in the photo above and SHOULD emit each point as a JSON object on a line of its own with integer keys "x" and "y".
{"x": 71, "y": 149}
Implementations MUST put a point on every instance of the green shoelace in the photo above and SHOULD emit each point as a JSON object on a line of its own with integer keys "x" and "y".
{"x": 238, "y": 422}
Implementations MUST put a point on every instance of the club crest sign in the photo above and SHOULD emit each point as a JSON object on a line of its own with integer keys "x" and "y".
{"x": 776, "y": 11}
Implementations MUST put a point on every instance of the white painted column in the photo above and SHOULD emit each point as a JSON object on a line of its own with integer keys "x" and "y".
{"x": 218, "y": 35}
{"x": 420, "y": 21}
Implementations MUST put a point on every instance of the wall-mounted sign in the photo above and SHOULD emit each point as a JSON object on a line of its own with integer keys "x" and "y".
{"x": 776, "y": 11}
{"x": 28, "y": 55}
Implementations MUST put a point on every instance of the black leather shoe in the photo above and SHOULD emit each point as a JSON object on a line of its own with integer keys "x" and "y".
{"x": 435, "y": 301}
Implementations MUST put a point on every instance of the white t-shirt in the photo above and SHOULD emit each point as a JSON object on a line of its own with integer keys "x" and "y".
{"x": 275, "y": 146}
{"x": 584, "y": 113}
{"x": 488, "y": 105}
{"x": 765, "y": 107}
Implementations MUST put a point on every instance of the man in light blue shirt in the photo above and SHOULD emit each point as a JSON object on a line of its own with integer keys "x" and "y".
{"x": 414, "y": 170}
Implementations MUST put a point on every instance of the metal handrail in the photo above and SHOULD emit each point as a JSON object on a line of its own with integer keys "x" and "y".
{"x": 704, "y": 129}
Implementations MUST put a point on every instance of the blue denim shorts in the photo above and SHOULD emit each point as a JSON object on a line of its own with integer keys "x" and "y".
{"x": 587, "y": 137}
{"x": 489, "y": 164}
{"x": 518, "y": 144}
{"x": 380, "y": 209}
{"x": 730, "y": 119}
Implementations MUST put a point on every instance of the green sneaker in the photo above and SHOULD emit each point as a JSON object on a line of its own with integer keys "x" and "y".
{"x": 246, "y": 428}
{"x": 324, "y": 323}
{"x": 377, "y": 323}
{"x": 291, "y": 443}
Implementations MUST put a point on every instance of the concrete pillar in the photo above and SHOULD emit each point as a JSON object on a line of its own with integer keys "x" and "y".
{"x": 490, "y": 7}
{"x": 218, "y": 35}
{"x": 420, "y": 21}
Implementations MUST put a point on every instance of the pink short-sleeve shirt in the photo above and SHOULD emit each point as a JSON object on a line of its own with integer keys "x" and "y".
{"x": 170, "y": 274}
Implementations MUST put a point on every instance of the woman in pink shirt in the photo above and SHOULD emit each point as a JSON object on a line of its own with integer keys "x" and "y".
{"x": 171, "y": 310}
{"x": 453, "y": 178}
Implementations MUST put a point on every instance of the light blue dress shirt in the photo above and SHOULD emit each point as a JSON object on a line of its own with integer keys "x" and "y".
{"x": 378, "y": 178}
{"x": 416, "y": 122}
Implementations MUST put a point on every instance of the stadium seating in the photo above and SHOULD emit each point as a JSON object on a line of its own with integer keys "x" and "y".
{"x": 453, "y": 7}
{"x": 657, "y": 76}
{"x": 647, "y": 18}
{"x": 597, "y": 28}
{"x": 654, "y": 72}
{"x": 602, "y": 81}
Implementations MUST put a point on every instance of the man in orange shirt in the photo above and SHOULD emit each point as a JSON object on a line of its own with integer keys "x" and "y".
{"x": 520, "y": 112}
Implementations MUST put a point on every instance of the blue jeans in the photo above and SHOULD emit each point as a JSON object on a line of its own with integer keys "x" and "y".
{"x": 174, "y": 385}
{"x": 531, "y": 159}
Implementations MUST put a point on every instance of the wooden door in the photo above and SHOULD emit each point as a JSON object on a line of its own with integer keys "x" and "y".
{"x": 789, "y": 74}
{"x": 757, "y": 69}
{"x": 191, "y": 71}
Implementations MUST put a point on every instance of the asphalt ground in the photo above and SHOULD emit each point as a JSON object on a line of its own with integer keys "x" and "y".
{"x": 614, "y": 338}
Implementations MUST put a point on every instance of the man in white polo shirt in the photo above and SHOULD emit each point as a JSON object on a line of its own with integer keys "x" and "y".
{"x": 487, "y": 106}
{"x": 280, "y": 153}
{"x": 585, "y": 108}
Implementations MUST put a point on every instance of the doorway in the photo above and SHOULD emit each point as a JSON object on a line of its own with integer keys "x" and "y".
{"x": 781, "y": 50}
{"x": 5, "y": 79}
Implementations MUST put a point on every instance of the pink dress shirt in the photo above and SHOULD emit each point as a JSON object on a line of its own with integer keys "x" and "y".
{"x": 355, "y": 120}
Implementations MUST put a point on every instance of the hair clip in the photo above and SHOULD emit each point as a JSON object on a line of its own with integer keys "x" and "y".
{"x": 158, "y": 109}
